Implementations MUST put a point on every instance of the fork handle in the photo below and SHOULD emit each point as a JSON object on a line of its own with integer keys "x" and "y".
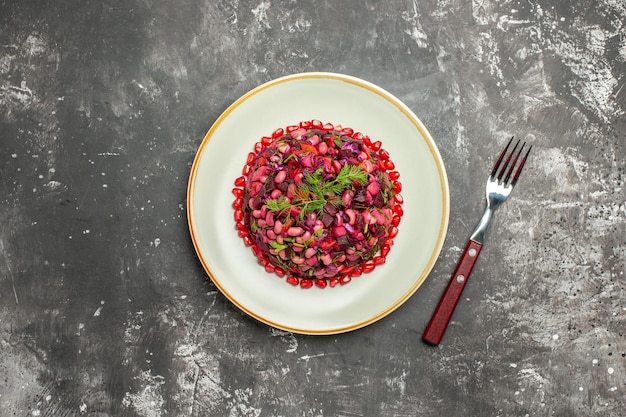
{"x": 451, "y": 296}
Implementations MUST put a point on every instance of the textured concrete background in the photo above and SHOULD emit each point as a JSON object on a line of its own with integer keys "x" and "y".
{"x": 105, "y": 309}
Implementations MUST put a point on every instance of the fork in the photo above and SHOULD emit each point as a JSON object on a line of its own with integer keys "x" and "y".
{"x": 500, "y": 183}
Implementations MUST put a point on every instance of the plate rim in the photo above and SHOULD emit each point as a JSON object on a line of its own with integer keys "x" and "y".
{"x": 432, "y": 147}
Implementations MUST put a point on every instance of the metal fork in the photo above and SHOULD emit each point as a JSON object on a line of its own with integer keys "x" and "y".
{"x": 503, "y": 177}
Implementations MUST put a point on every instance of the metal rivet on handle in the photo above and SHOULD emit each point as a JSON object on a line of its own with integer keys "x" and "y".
{"x": 460, "y": 278}
{"x": 472, "y": 252}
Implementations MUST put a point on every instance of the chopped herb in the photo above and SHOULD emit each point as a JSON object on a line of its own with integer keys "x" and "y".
{"x": 347, "y": 177}
{"x": 315, "y": 192}
{"x": 277, "y": 246}
{"x": 280, "y": 204}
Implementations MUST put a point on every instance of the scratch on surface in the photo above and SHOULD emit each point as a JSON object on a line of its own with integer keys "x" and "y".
{"x": 619, "y": 90}
{"x": 195, "y": 388}
{"x": 8, "y": 263}
{"x": 194, "y": 332}
{"x": 307, "y": 357}
{"x": 99, "y": 310}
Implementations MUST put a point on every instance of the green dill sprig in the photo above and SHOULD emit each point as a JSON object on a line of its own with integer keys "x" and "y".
{"x": 347, "y": 178}
{"x": 315, "y": 192}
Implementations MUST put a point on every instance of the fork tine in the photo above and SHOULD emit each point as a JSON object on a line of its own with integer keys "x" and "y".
{"x": 521, "y": 166}
{"x": 500, "y": 158}
{"x": 512, "y": 167}
{"x": 508, "y": 160}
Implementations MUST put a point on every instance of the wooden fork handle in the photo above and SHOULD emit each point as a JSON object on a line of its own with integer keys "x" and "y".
{"x": 451, "y": 296}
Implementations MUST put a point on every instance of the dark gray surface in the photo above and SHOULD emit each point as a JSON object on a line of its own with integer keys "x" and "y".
{"x": 105, "y": 309}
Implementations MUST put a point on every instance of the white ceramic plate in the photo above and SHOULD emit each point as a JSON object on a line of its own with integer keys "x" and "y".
{"x": 340, "y": 100}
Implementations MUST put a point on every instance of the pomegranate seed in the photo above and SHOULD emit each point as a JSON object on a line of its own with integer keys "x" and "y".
{"x": 384, "y": 250}
{"x": 258, "y": 147}
{"x": 293, "y": 280}
{"x": 399, "y": 199}
{"x": 292, "y": 128}
{"x": 321, "y": 283}
{"x": 397, "y": 209}
{"x": 243, "y": 233}
{"x": 356, "y": 272}
{"x": 367, "y": 141}
{"x": 395, "y": 220}
{"x": 383, "y": 154}
{"x": 388, "y": 242}
{"x": 270, "y": 268}
{"x": 389, "y": 165}
{"x": 379, "y": 260}
{"x": 368, "y": 267}
{"x": 333, "y": 281}
{"x": 328, "y": 126}
{"x": 245, "y": 170}
{"x": 240, "y": 181}
{"x": 306, "y": 124}
{"x": 397, "y": 186}
{"x": 394, "y": 175}
{"x": 277, "y": 133}
{"x": 238, "y": 203}
{"x": 247, "y": 241}
{"x": 306, "y": 283}
{"x": 238, "y": 192}
{"x": 279, "y": 272}
{"x": 238, "y": 215}
{"x": 251, "y": 157}
{"x": 316, "y": 123}
{"x": 240, "y": 226}
{"x": 376, "y": 145}
{"x": 257, "y": 251}
{"x": 345, "y": 279}
{"x": 344, "y": 270}
{"x": 346, "y": 130}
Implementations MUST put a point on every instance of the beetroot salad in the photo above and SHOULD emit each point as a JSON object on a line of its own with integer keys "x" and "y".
{"x": 319, "y": 204}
